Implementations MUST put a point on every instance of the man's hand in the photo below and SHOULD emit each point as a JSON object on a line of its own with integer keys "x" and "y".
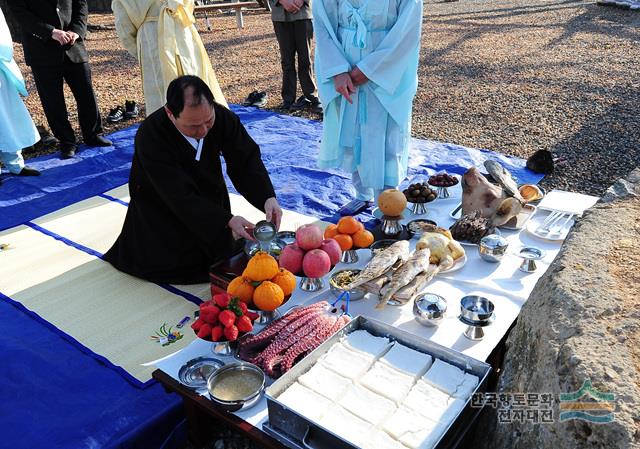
{"x": 290, "y": 6}
{"x": 73, "y": 36}
{"x": 241, "y": 227}
{"x": 273, "y": 212}
{"x": 344, "y": 85}
{"x": 62, "y": 37}
{"x": 357, "y": 77}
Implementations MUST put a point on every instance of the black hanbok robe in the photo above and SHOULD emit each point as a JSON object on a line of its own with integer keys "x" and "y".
{"x": 176, "y": 224}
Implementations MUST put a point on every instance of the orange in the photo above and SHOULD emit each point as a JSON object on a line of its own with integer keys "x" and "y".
{"x": 345, "y": 241}
{"x": 348, "y": 225}
{"x": 268, "y": 296}
{"x": 362, "y": 239}
{"x": 330, "y": 231}
{"x": 360, "y": 226}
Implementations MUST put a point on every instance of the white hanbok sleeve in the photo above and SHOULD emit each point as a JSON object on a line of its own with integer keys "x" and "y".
{"x": 329, "y": 58}
{"x": 386, "y": 65}
{"x": 125, "y": 28}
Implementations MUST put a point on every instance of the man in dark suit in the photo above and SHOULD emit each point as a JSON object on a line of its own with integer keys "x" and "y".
{"x": 53, "y": 33}
{"x": 179, "y": 219}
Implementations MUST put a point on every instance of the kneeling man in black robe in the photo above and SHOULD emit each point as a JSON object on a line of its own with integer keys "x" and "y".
{"x": 179, "y": 219}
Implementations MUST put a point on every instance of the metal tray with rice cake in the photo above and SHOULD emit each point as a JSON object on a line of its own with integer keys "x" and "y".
{"x": 295, "y": 430}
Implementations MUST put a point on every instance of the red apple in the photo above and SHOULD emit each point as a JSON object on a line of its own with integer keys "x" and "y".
{"x": 316, "y": 263}
{"x": 291, "y": 258}
{"x": 309, "y": 237}
{"x": 332, "y": 248}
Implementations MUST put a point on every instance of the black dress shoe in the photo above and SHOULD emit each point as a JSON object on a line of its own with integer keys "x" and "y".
{"x": 301, "y": 103}
{"x": 130, "y": 109}
{"x": 99, "y": 141}
{"x": 28, "y": 171}
{"x": 286, "y": 105}
{"x": 67, "y": 151}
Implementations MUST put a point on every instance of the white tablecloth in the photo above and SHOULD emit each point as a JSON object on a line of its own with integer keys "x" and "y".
{"x": 503, "y": 284}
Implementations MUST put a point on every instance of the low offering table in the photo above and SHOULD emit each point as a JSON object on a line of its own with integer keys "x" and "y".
{"x": 503, "y": 284}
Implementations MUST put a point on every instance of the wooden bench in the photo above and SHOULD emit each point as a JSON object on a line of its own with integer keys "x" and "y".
{"x": 238, "y": 6}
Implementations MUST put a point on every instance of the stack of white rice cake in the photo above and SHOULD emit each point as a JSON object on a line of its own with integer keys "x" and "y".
{"x": 377, "y": 394}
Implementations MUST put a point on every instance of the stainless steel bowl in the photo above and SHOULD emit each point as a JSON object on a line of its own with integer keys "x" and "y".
{"x": 476, "y": 308}
{"x": 381, "y": 244}
{"x": 274, "y": 247}
{"x": 429, "y": 309}
{"x": 492, "y": 248}
{"x": 414, "y": 227}
{"x": 354, "y": 294}
{"x": 236, "y": 374}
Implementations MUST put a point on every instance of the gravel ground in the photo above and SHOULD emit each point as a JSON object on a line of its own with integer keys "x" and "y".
{"x": 508, "y": 75}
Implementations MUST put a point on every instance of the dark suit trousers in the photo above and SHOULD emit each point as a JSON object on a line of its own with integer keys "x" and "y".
{"x": 295, "y": 37}
{"x": 49, "y": 82}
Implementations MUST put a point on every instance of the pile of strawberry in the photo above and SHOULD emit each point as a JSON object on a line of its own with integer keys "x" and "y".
{"x": 223, "y": 318}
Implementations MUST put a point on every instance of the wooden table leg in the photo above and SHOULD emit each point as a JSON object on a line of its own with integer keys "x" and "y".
{"x": 196, "y": 424}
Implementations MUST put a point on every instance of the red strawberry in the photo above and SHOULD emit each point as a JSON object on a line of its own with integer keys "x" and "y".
{"x": 210, "y": 314}
{"x": 222, "y": 300}
{"x": 205, "y": 331}
{"x": 231, "y": 333}
{"x": 252, "y": 315}
{"x": 216, "y": 333}
{"x": 227, "y": 318}
{"x": 210, "y": 302}
{"x": 197, "y": 324}
{"x": 244, "y": 324}
{"x": 243, "y": 307}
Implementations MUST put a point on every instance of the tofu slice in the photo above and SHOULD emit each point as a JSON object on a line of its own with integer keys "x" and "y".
{"x": 444, "y": 376}
{"x": 405, "y": 421}
{"x": 468, "y": 386}
{"x": 382, "y": 440}
{"x": 367, "y": 405}
{"x": 347, "y": 363}
{"x": 346, "y": 425}
{"x": 367, "y": 343}
{"x": 325, "y": 382}
{"x": 407, "y": 360}
{"x": 388, "y": 382}
{"x": 423, "y": 438}
{"x": 304, "y": 401}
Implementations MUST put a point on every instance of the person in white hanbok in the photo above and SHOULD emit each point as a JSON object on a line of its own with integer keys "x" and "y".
{"x": 162, "y": 36}
{"x": 17, "y": 130}
{"x": 366, "y": 62}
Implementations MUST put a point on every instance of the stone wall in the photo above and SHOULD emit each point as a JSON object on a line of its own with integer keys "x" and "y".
{"x": 582, "y": 321}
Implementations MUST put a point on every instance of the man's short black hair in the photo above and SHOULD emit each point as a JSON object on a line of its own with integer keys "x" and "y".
{"x": 177, "y": 88}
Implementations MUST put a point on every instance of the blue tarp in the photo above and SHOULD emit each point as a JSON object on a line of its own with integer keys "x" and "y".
{"x": 289, "y": 147}
{"x": 52, "y": 393}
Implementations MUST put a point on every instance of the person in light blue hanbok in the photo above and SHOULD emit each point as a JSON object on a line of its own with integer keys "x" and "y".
{"x": 366, "y": 62}
{"x": 17, "y": 130}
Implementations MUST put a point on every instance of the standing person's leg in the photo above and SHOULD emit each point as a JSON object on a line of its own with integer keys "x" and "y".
{"x": 286, "y": 41}
{"x": 49, "y": 81}
{"x": 78, "y": 77}
{"x": 304, "y": 37}
{"x": 12, "y": 161}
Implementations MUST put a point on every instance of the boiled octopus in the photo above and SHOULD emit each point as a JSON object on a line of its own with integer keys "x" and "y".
{"x": 285, "y": 341}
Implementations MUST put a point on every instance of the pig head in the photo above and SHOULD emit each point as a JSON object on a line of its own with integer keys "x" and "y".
{"x": 489, "y": 199}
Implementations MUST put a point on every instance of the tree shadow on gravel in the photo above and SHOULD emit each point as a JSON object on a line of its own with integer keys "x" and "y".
{"x": 605, "y": 149}
{"x": 587, "y": 23}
